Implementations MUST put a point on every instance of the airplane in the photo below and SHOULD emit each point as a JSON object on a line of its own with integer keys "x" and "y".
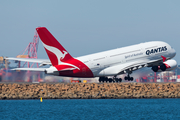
{"x": 155, "y": 54}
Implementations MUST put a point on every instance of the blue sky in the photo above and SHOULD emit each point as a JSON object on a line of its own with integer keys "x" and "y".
{"x": 85, "y": 27}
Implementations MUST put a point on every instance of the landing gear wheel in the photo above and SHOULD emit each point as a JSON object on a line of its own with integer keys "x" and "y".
{"x": 163, "y": 67}
{"x": 128, "y": 78}
{"x": 119, "y": 80}
{"x": 116, "y": 79}
{"x": 110, "y": 80}
{"x": 155, "y": 68}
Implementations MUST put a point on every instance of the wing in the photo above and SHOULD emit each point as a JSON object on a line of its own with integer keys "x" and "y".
{"x": 132, "y": 66}
{"x": 128, "y": 67}
{"x": 42, "y": 61}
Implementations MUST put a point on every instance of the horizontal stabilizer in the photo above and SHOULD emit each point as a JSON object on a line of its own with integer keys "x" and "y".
{"x": 41, "y": 69}
{"x": 30, "y": 69}
{"x": 42, "y": 61}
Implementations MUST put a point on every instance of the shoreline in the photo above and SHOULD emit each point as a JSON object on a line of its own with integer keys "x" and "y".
{"x": 18, "y": 91}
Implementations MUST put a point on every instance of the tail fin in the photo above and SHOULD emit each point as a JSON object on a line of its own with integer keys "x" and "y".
{"x": 54, "y": 49}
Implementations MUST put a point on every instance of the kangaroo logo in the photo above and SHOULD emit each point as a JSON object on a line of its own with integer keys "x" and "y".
{"x": 60, "y": 56}
{"x": 63, "y": 55}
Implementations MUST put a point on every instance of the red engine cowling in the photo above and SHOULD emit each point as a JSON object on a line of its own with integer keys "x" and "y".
{"x": 169, "y": 65}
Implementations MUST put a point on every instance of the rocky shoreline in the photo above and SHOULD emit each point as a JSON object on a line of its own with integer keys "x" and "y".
{"x": 88, "y": 90}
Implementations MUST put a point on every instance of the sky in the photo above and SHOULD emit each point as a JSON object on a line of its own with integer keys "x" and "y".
{"x": 89, "y": 26}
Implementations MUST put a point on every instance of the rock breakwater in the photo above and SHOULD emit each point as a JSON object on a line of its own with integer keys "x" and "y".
{"x": 89, "y": 90}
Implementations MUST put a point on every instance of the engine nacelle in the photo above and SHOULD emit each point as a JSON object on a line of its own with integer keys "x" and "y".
{"x": 166, "y": 66}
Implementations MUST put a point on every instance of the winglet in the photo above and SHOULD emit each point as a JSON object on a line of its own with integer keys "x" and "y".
{"x": 164, "y": 58}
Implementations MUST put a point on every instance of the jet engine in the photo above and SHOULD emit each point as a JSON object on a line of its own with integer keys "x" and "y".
{"x": 166, "y": 66}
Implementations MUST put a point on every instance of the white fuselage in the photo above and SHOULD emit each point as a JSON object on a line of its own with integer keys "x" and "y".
{"x": 109, "y": 62}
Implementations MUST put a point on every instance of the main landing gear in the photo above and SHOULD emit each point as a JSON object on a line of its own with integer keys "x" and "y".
{"x": 106, "y": 79}
{"x": 114, "y": 79}
{"x": 129, "y": 78}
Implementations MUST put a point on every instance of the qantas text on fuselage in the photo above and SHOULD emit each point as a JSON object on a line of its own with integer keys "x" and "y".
{"x": 160, "y": 49}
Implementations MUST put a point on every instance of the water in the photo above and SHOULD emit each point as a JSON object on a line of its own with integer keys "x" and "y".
{"x": 96, "y": 109}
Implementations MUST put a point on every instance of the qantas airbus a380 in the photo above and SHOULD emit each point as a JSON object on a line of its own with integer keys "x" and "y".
{"x": 156, "y": 55}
